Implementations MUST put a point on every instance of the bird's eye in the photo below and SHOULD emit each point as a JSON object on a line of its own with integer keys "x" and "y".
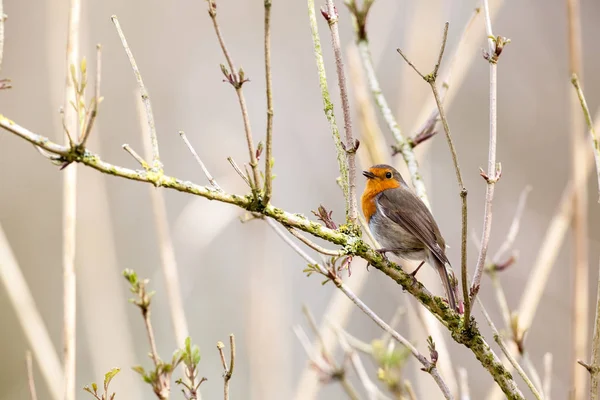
{"x": 388, "y": 175}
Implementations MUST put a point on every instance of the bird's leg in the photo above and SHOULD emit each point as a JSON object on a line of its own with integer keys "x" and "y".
{"x": 414, "y": 273}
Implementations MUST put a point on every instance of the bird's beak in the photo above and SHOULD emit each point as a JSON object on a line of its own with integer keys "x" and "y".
{"x": 369, "y": 174}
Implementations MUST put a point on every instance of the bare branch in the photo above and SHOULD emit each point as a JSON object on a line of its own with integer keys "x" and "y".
{"x": 228, "y": 370}
{"x": 136, "y": 156}
{"x": 93, "y": 112}
{"x": 30, "y": 380}
{"x": 590, "y": 124}
{"x": 314, "y": 246}
{"x": 156, "y": 163}
{"x": 547, "y": 376}
{"x": 269, "y": 90}
{"x": 463, "y": 382}
{"x": 210, "y": 178}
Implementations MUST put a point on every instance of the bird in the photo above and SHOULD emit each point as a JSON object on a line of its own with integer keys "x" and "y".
{"x": 403, "y": 224}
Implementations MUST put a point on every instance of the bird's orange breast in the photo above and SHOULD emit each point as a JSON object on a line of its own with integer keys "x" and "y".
{"x": 372, "y": 189}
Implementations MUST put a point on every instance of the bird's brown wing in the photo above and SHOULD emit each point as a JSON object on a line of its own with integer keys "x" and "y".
{"x": 407, "y": 210}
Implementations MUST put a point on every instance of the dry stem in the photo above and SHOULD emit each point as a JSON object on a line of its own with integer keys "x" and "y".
{"x": 269, "y": 90}
{"x": 228, "y": 371}
{"x": 237, "y": 79}
{"x": 156, "y": 163}
{"x": 351, "y": 144}
{"x": 70, "y": 209}
{"x": 590, "y": 124}
{"x": 210, "y": 178}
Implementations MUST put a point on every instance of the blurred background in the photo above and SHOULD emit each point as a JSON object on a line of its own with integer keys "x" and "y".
{"x": 241, "y": 278}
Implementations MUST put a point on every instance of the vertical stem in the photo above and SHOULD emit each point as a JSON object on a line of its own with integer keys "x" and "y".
{"x": 70, "y": 210}
{"x": 350, "y": 142}
{"x": 595, "y": 361}
{"x": 492, "y": 175}
{"x": 269, "y": 85}
{"x": 580, "y": 322}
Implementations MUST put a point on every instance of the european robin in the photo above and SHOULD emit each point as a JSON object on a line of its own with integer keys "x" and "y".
{"x": 403, "y": 224}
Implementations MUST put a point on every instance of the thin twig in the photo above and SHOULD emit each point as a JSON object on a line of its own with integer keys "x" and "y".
{"x": 431, "y": 79}
{"x": 401, "y": 141}
{"x": 70, "y": 210}
{"x": 30, "y": 380}
{"x": 239, "y": 171}
{"x": 590, "y": 124}
{"x": 351, "y": 145}
{"x": 328, "y": 105}
{"x": 136, "y": 156}
{"x": 535, "y": 377}
{"x": 150, "y": 333}
{"x": 547, "y": 376}
{"x": 228, "y": 370}
{"x": 594, "y": 369}
{"x": 314, "y": 246}
{"x": 91, "y": 117}
{"x": 30, "y": 319}
{"x": 513, "y": 361}
{"x": 514, "y": 227}
{"x": 210, "y": 178}
{"x": 428, "y": 366}
{"x": 156, "y": 163}
{"x": 494, "y": 170}
{"x": 165, "y": 247}
{"x": 580, "y": 250}
{"x": 237, "y": 80}
{"x": 269, "y": 90}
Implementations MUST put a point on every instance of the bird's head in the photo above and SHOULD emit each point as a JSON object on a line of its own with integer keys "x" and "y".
{"x": 381, "y": 177}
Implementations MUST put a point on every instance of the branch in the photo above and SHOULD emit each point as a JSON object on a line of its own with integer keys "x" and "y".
{"x": 269, "y": 155}
{"x": 328, "y": 106}
{"x": 237, "y": 80}
{"x": 314, "y": 246}
{"x": 210, "y": 178}
{"x": 428, "y": 366}
{"x": 70, "y": 204}
{"x": 228, "y": 371}
{"x": 594, "y": 367}
{"x": 590, "y": 124}
{"x": 494, "y": 171}
{"x": 351, "y": 146}
{"x": 431, "y": 79}
{"x": 156, "y": 163}
{"x": 512, "y": 360}
{"x": 355, "y": 246}
{"x": 547, "y": 376}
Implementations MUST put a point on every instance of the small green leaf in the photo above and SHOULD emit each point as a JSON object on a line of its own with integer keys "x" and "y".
{"x": 139, "y": 369}
{"x": 110, "y": 375}
{"x": 95, "y": 387}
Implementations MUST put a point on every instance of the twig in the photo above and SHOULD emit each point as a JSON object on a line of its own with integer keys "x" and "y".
{"x": 502, "y": 346}
{"x": 594, "y": 369}
{"x": 494, "y": 170}
{"x": 328, "y": 105}
{"x": 70, "y": 211}
{"x": 30, "y": 319}
{"x": 431, "y": 79}
{"x": 237, "y": 80}
{"x": 210, "y": 178}
{"x": 93, "y": 112}
{"x": 547, "y": 376}
{"x": 373, "y": 392}
{"x": 165, "y": 246}
{"x": 30, "y": 380}
{"x": 239, "y": 171}
{"x": 336, "y": 371}
{"x": 535, "y": 377}
{"x": 402, "y": 143}
{"x": 314, "y": 246}
{"x": 463, "y": 383}
{"x": 136, "y": 156}
{"x": 269, "y": 90}
{"x": 331, "y": 16}
{"x": 156, "y": 163}
{"x": 228, "y": 371}
{"x": 514, "y": 227}
{"x": 590, "y": 124}
{"x": 428, "y": 366}
{"x": 580, "y": 268}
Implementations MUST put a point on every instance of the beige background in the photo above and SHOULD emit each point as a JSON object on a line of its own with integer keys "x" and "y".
{"x": 241, "y": 278}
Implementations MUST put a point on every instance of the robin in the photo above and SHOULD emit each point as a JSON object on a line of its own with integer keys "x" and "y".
{"x": 403, "y": 224}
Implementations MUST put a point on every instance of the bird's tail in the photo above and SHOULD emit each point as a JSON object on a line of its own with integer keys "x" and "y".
{"x": 445, "y": 277}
